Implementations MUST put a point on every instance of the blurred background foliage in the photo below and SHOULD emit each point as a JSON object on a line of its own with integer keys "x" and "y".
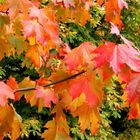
{"x": 114, "y": 123}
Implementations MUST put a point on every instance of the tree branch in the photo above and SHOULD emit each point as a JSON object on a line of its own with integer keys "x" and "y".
{"x": 53, "y": 83}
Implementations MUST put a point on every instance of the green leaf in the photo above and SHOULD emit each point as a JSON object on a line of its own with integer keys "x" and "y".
{"x": 18, "y": 42}
{"x": 4, "y": 20}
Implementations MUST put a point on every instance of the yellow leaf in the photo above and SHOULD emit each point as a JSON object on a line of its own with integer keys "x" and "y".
{"x": 88, "y": 117}
{"x": 28, "y": 94}
{"x": 77, "y": 102}
{"x": 10, "y": 122}
{"x": 56, "y": 130}
{"x": 16, "y": 127}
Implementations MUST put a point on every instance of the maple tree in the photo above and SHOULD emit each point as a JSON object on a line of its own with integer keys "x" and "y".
{"x": 78, "y": 76}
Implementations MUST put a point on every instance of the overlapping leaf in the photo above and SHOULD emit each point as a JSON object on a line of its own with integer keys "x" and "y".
{"x": 5, "y": 93}
{"x": 117, "y": 56}
{"x": 80, "y": 56}
{"x": 88, "y": 84}
{"x": 34, "y": 56}
{"x": 73, "y": 11}
{"x": 42, "y": 25}
{"x": 10, "y": 122}
{"x": 65, "y": 3}
{"x": 47, "y": 95}
{"x": 88, "y": 117}
{"x": 56, "y": 130}
{"x": 16, "y": 6}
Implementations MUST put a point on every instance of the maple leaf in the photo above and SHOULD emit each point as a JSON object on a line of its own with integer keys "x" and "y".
{"x": 4, "y": 49}
{"x": 12, "y": 83}
{"x": 131, "y": 96}
{"x": 56, "y": 76}
{"x": 23, "y": 84}
{"x": 133, "y": 88}
{"x": 65, "y": 3}
{"x": 125, "y": 54}
{"x": 18, "y": 43}
{"x": 34, "y": 56}
{"x": 47, "y": 95}
{"x": 125, "y": 75}
{"x": 100, "y": 2}
{"x": 77, "y": 102}
{"x": 134, "y": 111}
{"x": 5, "y": 111}
{"x": 56, "y": 130}
{"x": 114, "y": 29}
{"x": 16, "y": 6}
{"x": 16, "y": 126}
{"x": 42, "y": 24}
{"x": 73, "y": 14}
{"x": 5, "y": 93}
{"x": 122, "y": 4}
{"x": 79, "y": 56}
{"x": 40, "y": 97}
{"x": 101, "y": 58}
{"x": 90, "y": 87}
{"x": 10, "y": 122}
{"x": 90, "y": 119}
{"x": 32, "y": 27}
{"x": 117, "y": 56}
{"x": 113, "y": 12}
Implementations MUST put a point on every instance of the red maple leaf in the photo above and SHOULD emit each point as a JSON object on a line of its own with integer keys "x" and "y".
{"x": 41, "y": 23}
{"x": 79, "y": 56}
{"x": 65, "y": 3}
{"x": 47, "y": 95}
{"x": 5, "y": 93}
{"x": 117, "y": 56}
{"x": 133, "y": 88}
{"x": 89, "y": 85}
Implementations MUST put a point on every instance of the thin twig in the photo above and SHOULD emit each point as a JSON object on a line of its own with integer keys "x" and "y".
{"x": 53, "y": 83}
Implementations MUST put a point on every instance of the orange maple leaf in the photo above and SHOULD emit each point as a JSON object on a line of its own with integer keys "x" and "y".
{"x": 88, "y": 117}
{"x": 12, "y": 83}
{"x": 10, "y": 122}
{"x": 17, "y": 6}
{"x": 57, "y": 130}
{"x": 113, "y": 12}
{"x": 134, "y": 112}
{"x": 80, "y": 56}
{"x": 34, "y": 56}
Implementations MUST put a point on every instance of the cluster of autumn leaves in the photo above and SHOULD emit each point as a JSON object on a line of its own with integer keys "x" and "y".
{"x": 76, "y": 83}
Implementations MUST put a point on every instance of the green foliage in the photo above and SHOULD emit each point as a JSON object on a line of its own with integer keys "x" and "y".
{"x": 96, "y": 30}
{"x": 75, "y": 34}
{"x": 2, "y": 1}
{"x": 13, "y": 66}
{"x": 31, "y": 126}
{"x": 131, "y": 19}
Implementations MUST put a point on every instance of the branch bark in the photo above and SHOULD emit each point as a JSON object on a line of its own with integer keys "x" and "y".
{"x": 53, "y": 83}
